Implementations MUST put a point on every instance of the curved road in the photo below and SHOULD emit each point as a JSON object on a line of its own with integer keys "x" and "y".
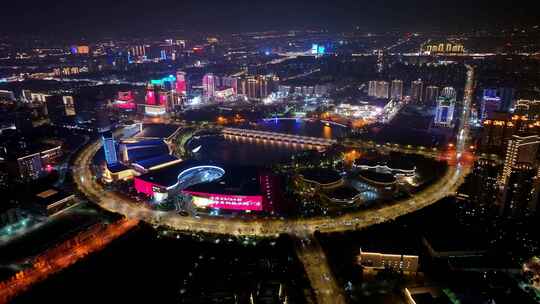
{"x": 445, "y": 186}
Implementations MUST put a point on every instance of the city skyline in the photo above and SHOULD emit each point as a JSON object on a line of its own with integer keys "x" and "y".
{"x": 269, "y": 153}
{"x": 139, "y": 17}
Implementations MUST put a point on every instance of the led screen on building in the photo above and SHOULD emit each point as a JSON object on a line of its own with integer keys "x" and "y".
{"x": 227, "y": 202}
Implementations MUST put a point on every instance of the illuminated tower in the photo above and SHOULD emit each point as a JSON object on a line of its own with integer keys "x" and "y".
{"x": 150, "y": 95}
{"x": 209, "y": 85}
{"x": 519, "y": 180}
{"x": 372, "y": 88}
{"x": 181, "y": 85}
{"x": 522, "y": 150}
{"x": 417, "y": 89}
{"x": 445, "y": 112}
{"x": 252, "y": 88}
{"x": 107, "y": 138}
{"x": 490, "y": 104}
{"x": 397, "y": 90}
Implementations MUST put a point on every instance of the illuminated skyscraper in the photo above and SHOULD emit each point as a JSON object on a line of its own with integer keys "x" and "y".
{"x": 150, "y": 98}
{"x": 417, "y": 89}
{"x": 252, "y": 88}
{"x": 107, "y": 138}
{"x": 445, "y": 112}
{"x": 519, "y": 180}
{"x": 181, "y": 83}
{"x": 372, "y": 88}
{"x": 397, "y": 90}
{"x": 378, "y": 89}
{"x": 522, "y": 150}
{"x": 490, "y": 104}
{"x": 209, "y": 85}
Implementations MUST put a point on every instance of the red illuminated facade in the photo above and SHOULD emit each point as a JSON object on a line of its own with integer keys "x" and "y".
{"x": 150, "y": 95}
{"x": 144, "y": 187}
{"x": 162, "y": 98}
{"x": 181, "y": 85}
{"x": 125, "y": 101}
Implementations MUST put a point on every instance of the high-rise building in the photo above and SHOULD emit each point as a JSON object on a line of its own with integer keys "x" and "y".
{"x": 491, "y": 103}
{"x": 396, "y": 90}
{"x": 417, "y": 90}
{"x": 372, "y": 88}
{"x": 432, "y": 94}
{"x": 520, "y": 150}
{"x": 445, "y": 112}
{"x": 56, "y": 110}
{"x": 181, "y": 83}
{"x": 449, "y": 92}
{"x": 507, "y": 98}
{"x": 252, "y": 88}
{"x": 378, "y": 89}
{"x": 23, "y": 121}
{"x": 150, "y": 98}
{"x": 107, "y": 138}
{"x": 499, "y": 129}
{"x": 519, "y": 180}
{"x": 528, "y": 108}
{"x": 382, "y": 89}
{"x": 209, "y": 85}
{"x": 69, "y": 105}
{"x": 230, "y": 82}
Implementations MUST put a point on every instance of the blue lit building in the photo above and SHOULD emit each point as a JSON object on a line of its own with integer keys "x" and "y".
{"x": 107, "y": 138}
{"x": 109, "y": 148}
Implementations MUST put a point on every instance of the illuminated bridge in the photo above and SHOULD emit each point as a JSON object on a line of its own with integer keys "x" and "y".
{"x": 303, "y": 141}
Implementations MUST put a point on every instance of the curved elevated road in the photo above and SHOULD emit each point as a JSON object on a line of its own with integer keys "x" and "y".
{"x": 118, "y": 203}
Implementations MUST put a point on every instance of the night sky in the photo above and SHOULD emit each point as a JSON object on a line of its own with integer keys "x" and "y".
{"x": 105, "y": 17}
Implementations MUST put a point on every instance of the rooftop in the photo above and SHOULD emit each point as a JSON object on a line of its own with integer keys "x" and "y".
{"x": 168, "y": 176}
{"x": 382, "y": 178}
{"x": 321, "y": 175}
{"x": 151, "y": 162}
{"x": 157, "y": 131}
{"x": 237, "y": 181}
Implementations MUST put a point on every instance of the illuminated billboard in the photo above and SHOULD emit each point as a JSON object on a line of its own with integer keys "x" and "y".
{"x": 227, "y": 202}
{"x": 80, "y": 49}
{"x": 154, "y": 110}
